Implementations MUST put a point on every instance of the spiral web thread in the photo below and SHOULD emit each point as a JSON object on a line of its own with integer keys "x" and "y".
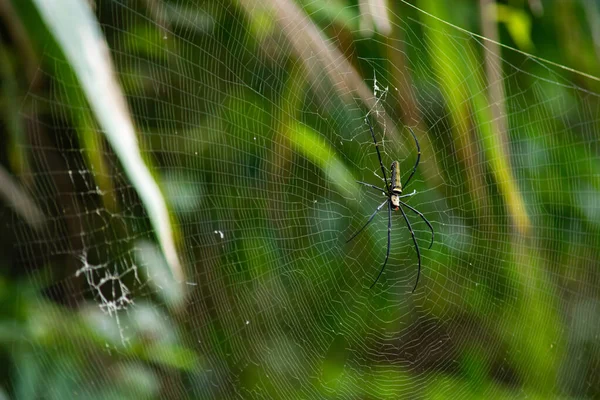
{"x": 256, "y": 147}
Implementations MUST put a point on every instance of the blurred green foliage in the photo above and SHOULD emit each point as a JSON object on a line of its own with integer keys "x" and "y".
{"x": 255, "y": 134}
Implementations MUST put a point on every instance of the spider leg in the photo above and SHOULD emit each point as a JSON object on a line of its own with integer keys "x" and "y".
{"x": 408, "y": 195}
{"x": 416, "y": 246}
{"x": 378, "y": 153}
{"x": 387, "y": 254}
{"x": 418, "y": 155}
{"x": 369, "y": 221}
{"x": 372, "y": 186}
{"x": 420, "y": 214}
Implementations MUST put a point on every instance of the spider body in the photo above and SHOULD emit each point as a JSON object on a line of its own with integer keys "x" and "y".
{"x": 393, "y": 194}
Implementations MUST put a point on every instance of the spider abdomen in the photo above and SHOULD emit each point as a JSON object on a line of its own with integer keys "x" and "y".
{"x": 396, "y": 184}
{"x": 396, "y": 189}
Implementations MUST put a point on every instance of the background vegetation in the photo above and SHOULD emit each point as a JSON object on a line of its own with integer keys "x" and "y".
{"x": 178, "y": 180}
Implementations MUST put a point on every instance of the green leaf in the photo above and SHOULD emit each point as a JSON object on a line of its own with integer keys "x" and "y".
{"x": 312, "y": 146}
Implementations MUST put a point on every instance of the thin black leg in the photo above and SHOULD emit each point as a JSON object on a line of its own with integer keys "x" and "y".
{"x": 369, "y": 221}
{"x": 418, "y": 156}
{"x": 424, "y": 219}
{"x": 372, "y": 186}
{"x": 416, "y": 247}
{"x": 389, "y": 242}
{"x": 408, "y": 195}
{"x": 378, "y": 153}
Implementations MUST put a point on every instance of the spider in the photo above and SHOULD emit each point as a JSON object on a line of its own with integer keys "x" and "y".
{"x": 393, "y": 194}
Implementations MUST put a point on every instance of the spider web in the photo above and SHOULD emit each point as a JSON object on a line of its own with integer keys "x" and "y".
{"x": 253, "y": 117}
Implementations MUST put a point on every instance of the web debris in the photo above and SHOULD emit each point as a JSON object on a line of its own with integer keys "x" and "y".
{"x": 380, "y": 93}
{"x": 118, "y": 298}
